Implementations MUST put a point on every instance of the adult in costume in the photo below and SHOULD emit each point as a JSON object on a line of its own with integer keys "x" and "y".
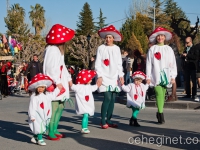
{"x": 108, "y": 66}
{"x": 84, "y": 98}
{"x": 161, "y": 68}
{"x": 40, "y": 106}
{"x": 54, "y": 67}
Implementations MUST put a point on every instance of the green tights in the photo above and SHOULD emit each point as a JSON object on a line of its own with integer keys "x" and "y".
{"x": 160, "y": 97}
{"x": 39, "y": 136}
{"x": 57, "y": 109}
{"x": 135, "y": 112}
{"x": 85, "y": 121}
{"x": 107, "y": 107}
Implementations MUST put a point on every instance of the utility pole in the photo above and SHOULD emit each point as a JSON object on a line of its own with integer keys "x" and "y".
{"x": 154, "y": 17}
{"x": 7, "y": 3}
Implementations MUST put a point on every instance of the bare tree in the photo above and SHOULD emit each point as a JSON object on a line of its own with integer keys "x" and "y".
{"x": 31, "y": 45}
{"x": 185, "y": 31}
{"x": 79, "y": 47}
{"x": 138, "y": 6}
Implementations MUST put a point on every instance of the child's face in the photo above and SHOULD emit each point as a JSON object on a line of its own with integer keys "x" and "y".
{"x": 137, "y": 81}
{"x": 41, "y": 89}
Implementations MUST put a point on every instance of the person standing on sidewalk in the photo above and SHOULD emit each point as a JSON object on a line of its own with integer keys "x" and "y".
{"x": 161, "y": 69}
{"x": 54, "y": 67}
{"x": 4, "y": 81}
{"x": 34, "y": 67}
{"x": 108, "y": 66}
{"x": 191, "y": 56}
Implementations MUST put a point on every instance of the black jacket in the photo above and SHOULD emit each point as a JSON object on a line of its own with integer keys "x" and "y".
{"x": 34, "y": 68}
{"x": 191, "y": 60}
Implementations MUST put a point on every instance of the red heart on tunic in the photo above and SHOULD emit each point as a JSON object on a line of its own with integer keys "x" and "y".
{"x": 157, "y": 55}
{"x": 87, "y": 98}
{"x": 42, "y": 105}
{"x": 106, "y": 62}
{"x": 135, "y": 96}
{"x": 48, "y": 112}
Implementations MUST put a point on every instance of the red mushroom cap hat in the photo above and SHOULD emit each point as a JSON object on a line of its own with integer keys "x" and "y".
{"x": 59, "y": 34}
{"x": 138, "y": 74}
{"x": 84, "y": 76}
{"x": 39, "y": 80}
{"x": 110, "y": 30}
{"x": 158, "y": 31}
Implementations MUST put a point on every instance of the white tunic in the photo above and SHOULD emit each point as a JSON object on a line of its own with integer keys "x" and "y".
{"x": 133, "y": 90}
{"x": 40, "y": 109}
{"x": 53, "y": 61}
{"x": 110, "y": 73}
{"x": 84, "y": 98}
{"x": 166, "y": 63}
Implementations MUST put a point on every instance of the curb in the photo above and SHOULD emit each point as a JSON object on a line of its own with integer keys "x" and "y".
{"x": 172, "y": 105}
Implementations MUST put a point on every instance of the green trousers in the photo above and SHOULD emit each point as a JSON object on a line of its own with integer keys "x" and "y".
{"x": 160, "y": 97}
{"x": 57, "y": 109}
{"x": 39, "y": 136}
{"x": 135, "y": 112}
{"x": 85, "y": 121}
{"x": 107, "y": 107}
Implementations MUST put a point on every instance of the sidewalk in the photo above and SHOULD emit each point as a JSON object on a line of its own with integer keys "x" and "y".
{"x": 181, "y": 103}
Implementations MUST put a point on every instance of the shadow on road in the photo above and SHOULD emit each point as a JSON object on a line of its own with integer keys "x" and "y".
{"x": 14, "y": 131}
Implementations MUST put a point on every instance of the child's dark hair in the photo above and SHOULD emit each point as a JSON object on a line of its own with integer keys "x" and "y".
{"x": 37, "y": 93}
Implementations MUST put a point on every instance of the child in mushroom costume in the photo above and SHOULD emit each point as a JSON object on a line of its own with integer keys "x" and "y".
{"x": 84, "y": 98}
{"x": 108, "y": 66}
{"x": 40, "y": 106}
{"x": 161, "y": 68}
{"x": 54, "y": 67}
{"x": 136, "y": 93}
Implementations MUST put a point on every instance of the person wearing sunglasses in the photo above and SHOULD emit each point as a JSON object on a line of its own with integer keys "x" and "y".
{"x": 190, "y": 58}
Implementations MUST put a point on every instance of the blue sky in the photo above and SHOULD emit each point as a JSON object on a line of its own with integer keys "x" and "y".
{"x": 66, "y": 12}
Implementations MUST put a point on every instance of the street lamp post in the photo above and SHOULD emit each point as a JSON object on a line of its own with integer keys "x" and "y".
{"x": 88, "y": 39}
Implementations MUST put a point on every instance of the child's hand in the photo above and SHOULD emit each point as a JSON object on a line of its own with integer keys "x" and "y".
{"x": 99, "y": 81}
{"x": 70, "y": 83}
{"x": 121, "y": 80}
{"x": 32, "y": 120}
{"x": 148, "y": 81}
{"x": 60, "y": 86}
{"x": 98, "y": 84}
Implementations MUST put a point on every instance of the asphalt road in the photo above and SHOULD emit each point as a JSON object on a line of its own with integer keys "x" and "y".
{"x": 181, "y": 130}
